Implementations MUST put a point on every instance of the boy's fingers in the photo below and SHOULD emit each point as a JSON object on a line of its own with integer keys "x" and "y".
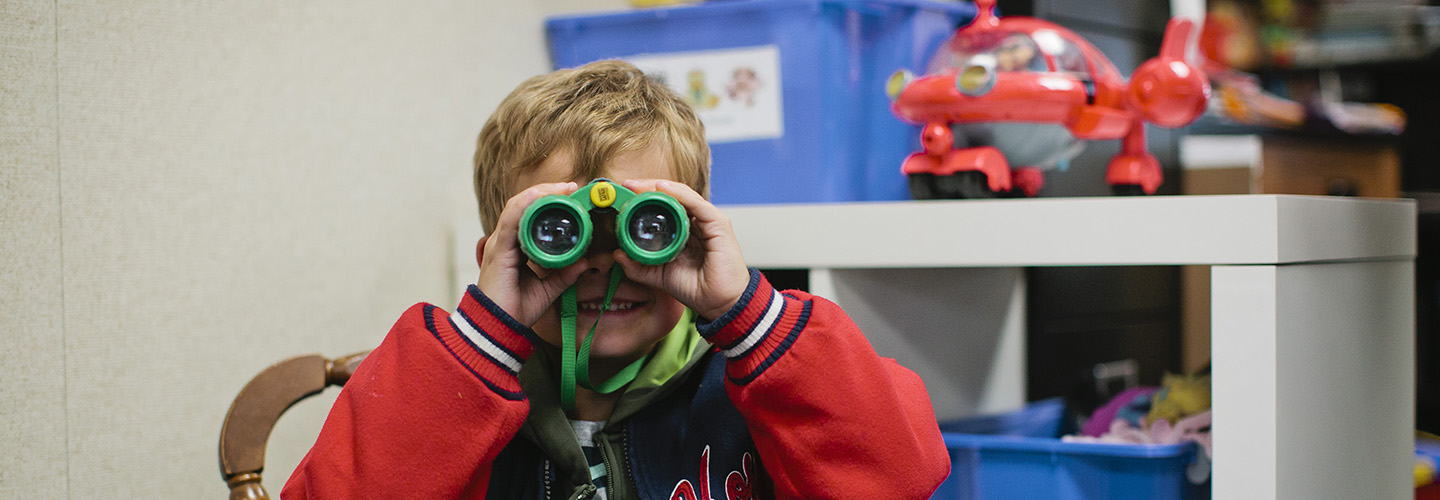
{"x": 507, "y": 227}
{"x": 700, "y": 208}
{"x": 640, "y": 185}
{"x": 557, "y": 280}
{"x": 537, "y": 269}
{"x": 549, "y": 276}
{"x": 636, "y": 271}
{"x": 712, "y": 227}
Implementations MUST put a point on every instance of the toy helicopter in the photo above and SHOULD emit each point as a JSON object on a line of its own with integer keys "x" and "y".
{"x": 1007, "y": 98}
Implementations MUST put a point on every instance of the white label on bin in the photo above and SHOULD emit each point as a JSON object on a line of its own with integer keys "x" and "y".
{"x": 736, "y": 91}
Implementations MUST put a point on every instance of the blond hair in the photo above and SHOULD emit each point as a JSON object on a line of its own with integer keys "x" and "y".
{"x": 595, "y": 112}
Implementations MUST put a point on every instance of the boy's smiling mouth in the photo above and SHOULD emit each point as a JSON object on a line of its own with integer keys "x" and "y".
{"x": 615, "y": 305}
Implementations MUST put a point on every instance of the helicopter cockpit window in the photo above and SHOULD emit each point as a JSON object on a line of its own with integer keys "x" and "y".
{"x": 1009, "y": 51}
{"x": 1067, "y": 55}
{"x": 1072, "y": 60}
{"x": 1018, "y": 53}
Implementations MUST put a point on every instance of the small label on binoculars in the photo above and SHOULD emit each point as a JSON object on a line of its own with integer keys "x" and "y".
{"x": 603, "y": 194}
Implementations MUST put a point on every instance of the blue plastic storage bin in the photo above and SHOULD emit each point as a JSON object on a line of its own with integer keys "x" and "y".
{"x": 1018, "y": 464}
{"x": 1040, "y": 419}
{"x": 835, "y": 138}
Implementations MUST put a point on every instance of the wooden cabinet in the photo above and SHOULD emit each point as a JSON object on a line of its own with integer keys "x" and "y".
{"x": 1249, "y": 164}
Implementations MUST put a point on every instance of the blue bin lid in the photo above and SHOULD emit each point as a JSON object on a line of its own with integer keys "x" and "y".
{"x": 1040, "y": 419}
{"x": 723, "y": 8}
{"x": 1043, "y": 445}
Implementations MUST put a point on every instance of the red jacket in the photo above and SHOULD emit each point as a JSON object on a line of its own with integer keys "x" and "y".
{"x": 427, "y": 413}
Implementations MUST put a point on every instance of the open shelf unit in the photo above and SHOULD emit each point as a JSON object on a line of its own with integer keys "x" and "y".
{"x": 1313, "y": 313}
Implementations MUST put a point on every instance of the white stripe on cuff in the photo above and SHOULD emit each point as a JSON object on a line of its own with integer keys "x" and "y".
{"x": 777, "y": 303}
{"x": 484, "y": 343}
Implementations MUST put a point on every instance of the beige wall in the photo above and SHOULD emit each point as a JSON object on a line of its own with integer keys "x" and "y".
{"x": 191, "y": 191}
{"x": 32, "y": 355}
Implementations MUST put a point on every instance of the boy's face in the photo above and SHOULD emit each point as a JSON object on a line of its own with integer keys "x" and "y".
{"x": 642, "y": 315}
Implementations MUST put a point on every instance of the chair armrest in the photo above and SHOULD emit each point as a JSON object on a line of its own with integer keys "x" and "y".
{"x": 258, "y": 407}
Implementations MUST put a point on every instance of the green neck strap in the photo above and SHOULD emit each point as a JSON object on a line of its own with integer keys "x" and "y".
{"x": 575, "y": 367}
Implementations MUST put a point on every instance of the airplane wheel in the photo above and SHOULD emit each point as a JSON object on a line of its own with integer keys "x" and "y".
{"x": 922, "y": 187}
{"x": 968, "y": 185}
{"x": 1127, "y": 190}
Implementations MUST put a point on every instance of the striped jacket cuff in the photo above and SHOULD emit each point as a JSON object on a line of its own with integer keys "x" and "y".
{"x": 487, "y": 340}
{"x": 755, "y": 333}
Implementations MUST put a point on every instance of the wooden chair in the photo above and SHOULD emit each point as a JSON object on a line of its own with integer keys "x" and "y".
{"x": 259, "y": 405}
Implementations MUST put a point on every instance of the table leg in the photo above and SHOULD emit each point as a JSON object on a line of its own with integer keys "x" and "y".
{"x": 1314, "y": 380}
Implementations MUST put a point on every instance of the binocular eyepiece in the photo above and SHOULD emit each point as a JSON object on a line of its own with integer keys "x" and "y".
{"x": 651, "y": 227}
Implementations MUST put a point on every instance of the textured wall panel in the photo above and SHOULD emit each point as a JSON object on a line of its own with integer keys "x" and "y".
{"x": 568, "y": 7}
{"x": 247, "y": 181}
{"x": 32, "y": 359}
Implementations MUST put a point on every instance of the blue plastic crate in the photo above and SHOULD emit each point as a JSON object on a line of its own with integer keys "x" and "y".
{"x": 1015, "y": 463}
{"x": 1039, "y": 419}
{"x": 834, "y": 138}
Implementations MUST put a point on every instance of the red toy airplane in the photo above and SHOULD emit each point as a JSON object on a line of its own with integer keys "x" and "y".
{"x": 1025, "y": 92}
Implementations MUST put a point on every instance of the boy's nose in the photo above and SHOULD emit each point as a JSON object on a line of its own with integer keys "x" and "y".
{"x": 602, "y": 245}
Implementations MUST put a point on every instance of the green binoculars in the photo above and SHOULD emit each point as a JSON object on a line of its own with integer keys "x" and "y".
{"x": 651, "y": 227}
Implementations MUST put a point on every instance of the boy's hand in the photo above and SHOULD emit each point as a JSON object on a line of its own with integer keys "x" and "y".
{"x": 505, "y": 274}
{"x": 709, "y": 276}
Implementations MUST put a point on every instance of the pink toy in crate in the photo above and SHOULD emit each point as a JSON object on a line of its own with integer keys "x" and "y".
{"x": 1007, "y": 98}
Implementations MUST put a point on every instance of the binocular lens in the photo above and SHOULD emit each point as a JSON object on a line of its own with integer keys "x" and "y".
{"x": 556, "y": 231}
{"x": 652, "y": 227}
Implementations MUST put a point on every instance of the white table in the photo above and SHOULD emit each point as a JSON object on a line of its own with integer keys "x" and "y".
{"x": 1312, "y": 312}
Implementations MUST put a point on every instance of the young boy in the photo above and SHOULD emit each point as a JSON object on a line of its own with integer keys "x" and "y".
{"x": 745, "y": 392}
